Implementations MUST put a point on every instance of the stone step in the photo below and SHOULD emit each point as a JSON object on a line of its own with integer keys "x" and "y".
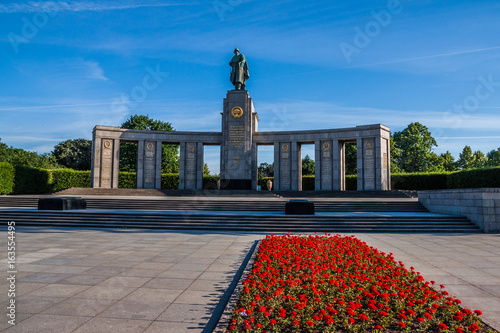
{"x": 227, "y": 205}
{"x": 241, "y": 223}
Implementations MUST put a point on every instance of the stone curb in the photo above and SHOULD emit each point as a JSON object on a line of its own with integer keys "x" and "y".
{"x": 225, "y": 318}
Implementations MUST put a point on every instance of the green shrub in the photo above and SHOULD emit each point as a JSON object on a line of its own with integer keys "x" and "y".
{"x": 127, "y": 179}
{"x": 474, "y": 178}
{"x": 7, "y": 174}
{"x": 419, "y": 181}
{"x": 308, "y": 183}
{"x": 31, "y": 180}
{"x": 210, "y": 182}
{"x": 170, "y": 181}
{"x": 61, "y": 179}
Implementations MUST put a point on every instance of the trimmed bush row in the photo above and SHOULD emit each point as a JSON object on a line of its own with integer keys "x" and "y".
{"x": 6, "y": 178}
{"x": 26, "y": 180}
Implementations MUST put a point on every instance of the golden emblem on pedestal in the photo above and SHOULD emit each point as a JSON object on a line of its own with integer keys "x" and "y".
{"x": 149, "y": 146}
{"x": 236, "y": 112}
{"x": 107, "y": 144}
{"x": 284, "y": 147}
{"x": 369, "y": 144}
{"x": 326, "y": 146}
{"x": 190, "y": 148}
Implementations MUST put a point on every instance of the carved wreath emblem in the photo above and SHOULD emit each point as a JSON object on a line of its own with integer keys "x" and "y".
{"x": 326, "y": 146}
{"x": 107, "y": 144}
{"x": 237, "y": 112}
{"x": 284, "y": 147}
{"x": 149, "y": 146}
{"x": 191, "y": 148}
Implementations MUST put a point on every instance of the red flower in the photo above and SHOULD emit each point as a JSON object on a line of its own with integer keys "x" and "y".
{"x": 473, "y": 328}
{"x": 272, "y": 322}
{"x": 401, "y": 324}
{"x": 478, "y": 312}
{"x": 442, "y": 326}
{"x": 310, "y": 323}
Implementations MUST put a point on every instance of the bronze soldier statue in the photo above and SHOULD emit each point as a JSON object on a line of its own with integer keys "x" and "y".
{"x": 239, "y": 70}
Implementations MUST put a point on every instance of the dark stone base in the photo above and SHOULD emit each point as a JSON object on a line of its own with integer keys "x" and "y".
{"x": 236, "y": 184}
{"x": 61, "y": 203}
{"x": 299, "y": 207}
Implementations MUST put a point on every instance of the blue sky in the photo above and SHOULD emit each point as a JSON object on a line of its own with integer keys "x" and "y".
{"x": 70, "y": 65}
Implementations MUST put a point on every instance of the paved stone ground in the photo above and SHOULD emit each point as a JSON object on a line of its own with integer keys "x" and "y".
{"x": 118, "y": 280}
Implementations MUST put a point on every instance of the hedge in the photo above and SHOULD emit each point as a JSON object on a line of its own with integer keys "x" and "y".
{"x": 26, "y": 180}
{"x": 7, "y": 174}
{"x": 61, "y": 179}
{"x": 475, "y": 178}
{"x": 419, "y": 181}
{"x": 31, "y": 180}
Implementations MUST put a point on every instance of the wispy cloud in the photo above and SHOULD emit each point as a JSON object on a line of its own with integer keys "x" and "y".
{"x": 449, "y": 54}
{"x": 73, "y": 6}
{"x": 95, "y": 71}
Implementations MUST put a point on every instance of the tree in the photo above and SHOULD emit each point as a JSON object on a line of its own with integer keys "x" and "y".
{"x": 416, "y": 144}
{"x": 18, "y": 156}
{"x": 206, "y": 170}
{"x": 448, "y": 162}
{"x": 307, "y": 166}
{"x": 128, "y": 151}
{"x": 494, "y": 157}
{"x": 266, "y": 170}
{"x": 479, "y": 159}
{"x": 466, "y": 158}
{"x": 74, "y": 154}
{"x": 351, "y": 158}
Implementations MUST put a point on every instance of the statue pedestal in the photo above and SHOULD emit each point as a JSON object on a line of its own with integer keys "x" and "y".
{"x": 238, "y": 151}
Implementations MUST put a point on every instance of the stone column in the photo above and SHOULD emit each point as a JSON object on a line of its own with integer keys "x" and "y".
{"x": 277, "y": 167}
{"x": 116, "y": 162}
{"x": 199, "y": 166}
{"x": 95, "y": 173}
{"x": 191, "y": 166}
{"x": 105, "y": 163}
{"x": 148, "y": 164}
{"x": 283, "y": 169}
{"x": 296, "y": 159}
{"x": 317, "y": 166}
{"x": 326, "y": 162}
{"x": 383, "y": 175}
{"x": 367, "y": 156}
{"x": 237, "y": 157}
{"x": 159, "y": 153}
{"x": 140, "y": 164}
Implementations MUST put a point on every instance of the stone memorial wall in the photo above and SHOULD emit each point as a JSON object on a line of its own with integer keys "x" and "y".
{"x": 239, "y": 141}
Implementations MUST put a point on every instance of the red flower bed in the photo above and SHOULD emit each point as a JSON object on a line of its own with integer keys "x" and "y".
{"x": 340, "y": 284}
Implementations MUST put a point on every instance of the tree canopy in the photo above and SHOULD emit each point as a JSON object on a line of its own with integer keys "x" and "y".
{"x": 74, "y": 154}
{"x": 128, "y": 151}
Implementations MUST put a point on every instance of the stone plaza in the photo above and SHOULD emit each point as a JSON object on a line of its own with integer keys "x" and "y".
{"x": 127, "y": 281}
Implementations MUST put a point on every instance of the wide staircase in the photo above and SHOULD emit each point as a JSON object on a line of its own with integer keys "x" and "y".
{"x": 245, "y": 212}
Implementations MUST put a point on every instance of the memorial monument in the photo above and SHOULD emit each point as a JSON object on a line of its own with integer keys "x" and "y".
{"x": 239, "y": 140}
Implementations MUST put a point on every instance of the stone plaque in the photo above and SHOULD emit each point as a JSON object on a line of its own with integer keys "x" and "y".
{"x": 285, "y": 168}
{"x": 149, "y": 165}
{"x": 369, "y": 165}
{"x": 326, "y": 166}
{"x": 107, "y": 163}
{"x": 191, "y": 167}
{"x": 385, "y": 161}
{"x": 236, "y": 136}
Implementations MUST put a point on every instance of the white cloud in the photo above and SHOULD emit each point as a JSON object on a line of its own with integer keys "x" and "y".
{"x": 73, "y": 6}
{"x": 95, "y": 71}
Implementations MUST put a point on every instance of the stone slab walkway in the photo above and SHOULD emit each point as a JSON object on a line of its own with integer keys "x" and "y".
{"x": 121, "y": 280}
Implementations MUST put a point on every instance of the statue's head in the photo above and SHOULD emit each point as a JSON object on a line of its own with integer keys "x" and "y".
{"x": 236, "y": 51}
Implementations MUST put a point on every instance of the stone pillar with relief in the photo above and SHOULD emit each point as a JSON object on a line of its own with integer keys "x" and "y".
{"x": 238, "y": 160}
